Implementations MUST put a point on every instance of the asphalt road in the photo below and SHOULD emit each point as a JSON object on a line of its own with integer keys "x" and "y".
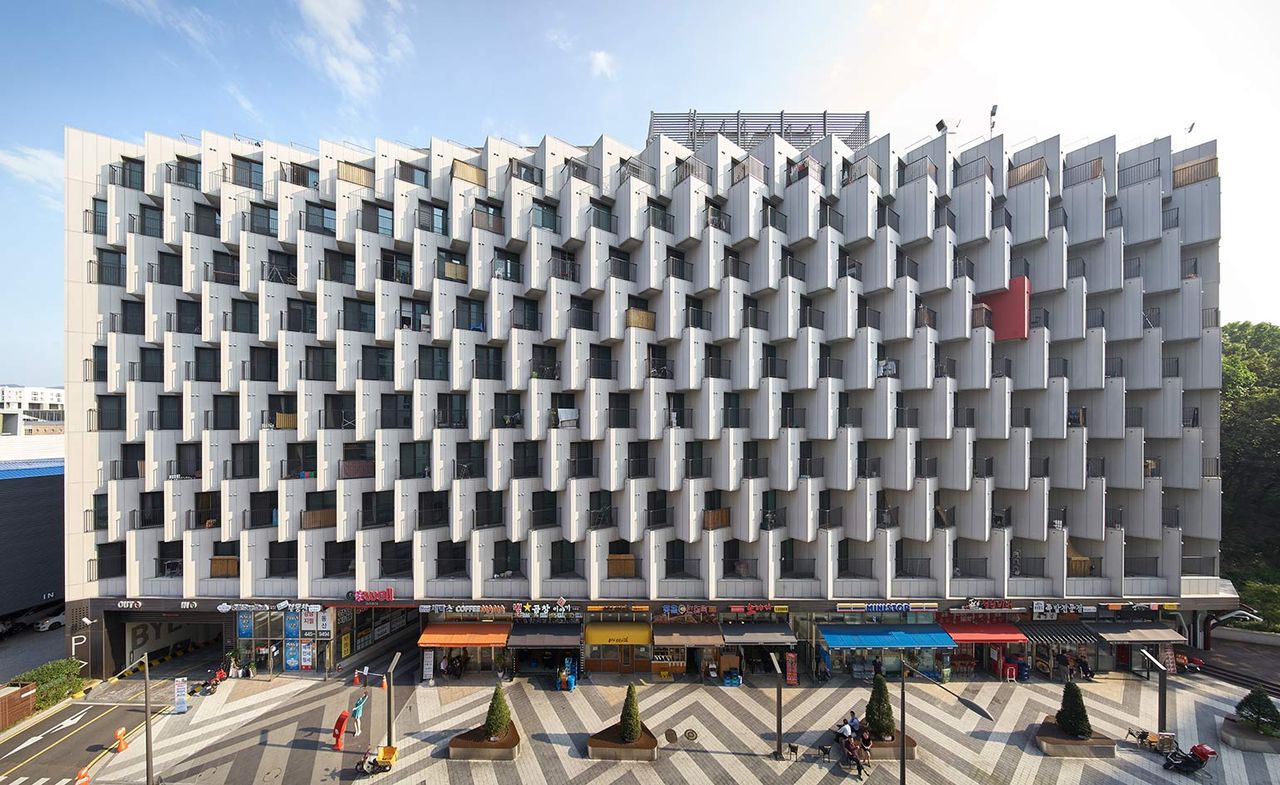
{"x": 62, "y": 742}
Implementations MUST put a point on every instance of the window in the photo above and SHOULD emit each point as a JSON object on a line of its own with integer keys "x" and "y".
{"x": 396, "y": 559}
{"x": 451, "y": 559}
{"x": 300, "y": 316}
{"x": 244, "y": 172}
{"x": 544, "y": 216}
{"x": 150, "y": 221}
{"x": 433, "y": 363}
{"x": 433, "y": 509}
{"x": 244, "y": 316}
{"x": 168, "y": 270}
{"x": 338, "y": 267}
{"x": 376, "y": 218}
{"x": 357, "y": 315}
{"x": 282, "y": 559}
{"x": 226, "y": 412}
{"x": 506, "y": 410}
{"x": 564, "y": 560}
{"x": 451, "y": 266}
{"x": 506, "y": 559}
{"x": 525, "y": 460}
{"x": 299, "y": 175}
{"x": 131, "y": 173}
{"x": 433, "y": 218}
{"x": 470, "y": 461}
{"x": 207, "y": 365}
{"x": 132, "y": 457}
{"x": 488, "y": 508}
{"x": 469, "y": 314}
{"x": 488, "y": 362}
{"x": 99, "y": 512}
{"x": 377, "y": 508}
{"x": 377, "y": 363}
{"x": 413, "y": 174}
{"x": 396, "y": 267}
{"x": 318, "y": 218}
{"x": 244, "y": 461}
{"x": 110, "y": 561}
{"x": 281, "y": 268}
{"x": 110, "y": 413}
{"x": 340, "y": 559}
{"x": 99, "y": 216}
{"x": 415, "y": 459}
{"x": 169, "y": 412}
{"x": 262, "y": 219}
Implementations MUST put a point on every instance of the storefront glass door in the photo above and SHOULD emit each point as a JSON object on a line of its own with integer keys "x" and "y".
{"x": 627, "y": 665}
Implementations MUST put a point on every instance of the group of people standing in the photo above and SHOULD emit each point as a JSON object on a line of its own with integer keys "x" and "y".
{"x": 1069, "y": 666}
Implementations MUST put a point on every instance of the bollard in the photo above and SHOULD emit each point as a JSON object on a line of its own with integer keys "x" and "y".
{"x": 121, "y": 743}
{"x": 340, "y": 729}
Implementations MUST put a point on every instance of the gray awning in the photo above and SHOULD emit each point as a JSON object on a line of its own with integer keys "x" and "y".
{"x": 1136, "y": 632}
{"x": 687, "y": 635}
{"x": 1061, "y": 633}
{"x": 757, "y": 634}
{"x": 545, "y": 636}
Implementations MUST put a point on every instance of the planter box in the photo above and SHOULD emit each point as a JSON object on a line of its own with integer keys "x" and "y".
{"x": 474, "y": 745}
{"x": 1242, "y": 737}
{"x": 608, "y": 745}
{"x": 888, "y": 750}
{"x": 1056, "y": 744}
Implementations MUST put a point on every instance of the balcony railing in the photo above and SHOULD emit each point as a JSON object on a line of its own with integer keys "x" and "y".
{"x": 697, "y": 468}
{"x": 146, "y": 519}
{"x": 1171, "y": 517}
{"x": 634, "y": 167}
{"x": 490, "y": 222}
{"x": 602, "y": 219}
{"x": 582, "y": 319}
{"x": 544, "y": 517}
{"x": 971, "y": 567}
{"x": 887, "y": 517}
{"x": 468, "y": 469}
{"x": 830, "y": 368}
{"x": 338, "y": 418}
{"x": 488, "y": 518}
{"x": 830, "y": 518}
{"x": 692, "y": 167}
{"x": 851, "y": 567}
{"x": 623, "y": 566}
{"x": 453, "y": 568}
{"x": 639, "y": 467}
{"x": 659, "y": 517}
{"x": 622, "y": 268}
{"x": 912, "y": 568}
{"x": 735, "y": 267}
{"x": 149, "y": 224}
{"x": 927, "y": 468}
{"x": 860, "y": 168}
{"x": 798, "y": 569}
{"x": 917, "y": 169}
{"x": 1084, "y": 567}
{"x": 755, "y": 468}
{"x": 582, "y": 170}
{"x": 677, "y": 417}
{"x": 829, "y": 216}
{"x": 338, "y": 568}
{"x": 658, "y": 218}
{"x": 739, "y": 569}
{"x": 168, "y": 567}
{"x": 354, "y": 468}
{"x": 487, "y": 369}
{"x": 793, "y": 417}
{"x": 850, "y": 417}
{"x": 750, "y": 167}
{"x": 432, "y": 517}
{"x": 736, "y": 417}
{"x": 602, "y": 518}
{"x": 1027, "y": 567}
{"x": 602, "y": 368}
{"x": 1132, "y": 175}
{"x": 320, "y": 518}
{"x": 524, "y": 468}
{"x": 504, "y": 417}
{"x": 869, "y": 467}
{"x": 1197, "y": 171}
{"x": 716, "y": 219}
{"x": 640, "y": 318}
{"x": 1200, "y": 565}
{"x": 581, "y": 468}
{"x": 773, "y": 519}
{"x": 716, "y": 519}
{"x": 1082, "y": 172}
{"x": 569, "y": 569}
{"x": 413, "y": 468}
{"x": 775, "y": 368}
{"x": 282, "y": 568}
{"x": 1027, "y": 172}
{"x": 391, "y": 567}
{"x": 682, "y": 568}
{"x": 772, "y": 216}
{"x": 1141, "y": 566}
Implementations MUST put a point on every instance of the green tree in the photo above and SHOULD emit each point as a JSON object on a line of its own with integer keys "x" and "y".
{"x": 1072, "y": 718}
{"x": 630, "y": 729}
{"x": 880, "y": 710}
{"x": 499, "y": 717}
{"x": 1259, "y": 711}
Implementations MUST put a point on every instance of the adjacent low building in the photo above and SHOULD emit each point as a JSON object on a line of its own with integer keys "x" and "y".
{"x": 31, "y": 525}
{"x": 732, "y": 368}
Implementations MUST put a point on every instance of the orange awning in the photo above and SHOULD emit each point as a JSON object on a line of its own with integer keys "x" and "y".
{"x": 992, "y": 632}
{"x": 465, "y": 634}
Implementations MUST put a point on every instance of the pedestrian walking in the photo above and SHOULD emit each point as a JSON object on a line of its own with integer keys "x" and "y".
{"x": 877, "y": 668}
{"x": 357, "y": 712}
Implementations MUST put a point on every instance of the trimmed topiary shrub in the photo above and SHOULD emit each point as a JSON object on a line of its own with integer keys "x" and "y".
{"x": 54, "y": 681}
{"x": 499, "y": 717}
{"x": 630, "y": 726}
{"x": 880, "y": 711}
{"x": 1072, "y": 718}
{"x": 1259, "y": 712}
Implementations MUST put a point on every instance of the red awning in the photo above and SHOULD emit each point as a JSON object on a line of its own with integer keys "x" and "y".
{"x": 984, "y": 633}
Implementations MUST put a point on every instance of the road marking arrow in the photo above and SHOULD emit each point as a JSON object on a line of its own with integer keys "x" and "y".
{"x": 67, "y": 723}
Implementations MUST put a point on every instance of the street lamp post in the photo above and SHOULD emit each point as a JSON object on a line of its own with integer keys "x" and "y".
{"x": 391, "y": 699}
{"x": 1164, "y": 687}
{"x": 902, "y": 728}
{"x": 146, "y": 709}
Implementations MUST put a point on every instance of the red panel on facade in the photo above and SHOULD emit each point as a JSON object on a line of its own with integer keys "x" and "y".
{"x": 1011, "y": 310}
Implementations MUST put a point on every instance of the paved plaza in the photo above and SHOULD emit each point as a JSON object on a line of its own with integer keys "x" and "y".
{"x": 279, "y": 732}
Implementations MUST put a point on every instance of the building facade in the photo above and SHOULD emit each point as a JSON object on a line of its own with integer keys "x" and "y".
{"x": 34, "y": 411}
{"x": 777, "y": 376}
{"x": 31, "y": 504}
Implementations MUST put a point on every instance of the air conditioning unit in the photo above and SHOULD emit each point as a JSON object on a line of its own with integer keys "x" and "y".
{"x": 997, "y": 520}
{"x": 1058, "y": 523}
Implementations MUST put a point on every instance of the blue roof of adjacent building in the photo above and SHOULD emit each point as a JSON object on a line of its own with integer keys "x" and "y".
{"x": 34, "y": 467}
{"x": 886, "y": 636}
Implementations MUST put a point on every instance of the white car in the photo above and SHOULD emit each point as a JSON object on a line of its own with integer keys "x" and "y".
{"x": 51, "y": 623}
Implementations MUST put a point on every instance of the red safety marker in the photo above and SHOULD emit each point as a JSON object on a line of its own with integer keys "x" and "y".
{"x": 82, "y": 777}
{"x": 340, "y": 729}
{"x": 121, "y": 743}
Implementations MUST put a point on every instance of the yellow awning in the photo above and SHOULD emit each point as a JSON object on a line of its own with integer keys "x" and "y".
{"x": 613, "y": 633}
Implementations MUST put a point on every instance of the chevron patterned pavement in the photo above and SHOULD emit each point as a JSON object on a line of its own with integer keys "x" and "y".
{"x": 281, "y": 735}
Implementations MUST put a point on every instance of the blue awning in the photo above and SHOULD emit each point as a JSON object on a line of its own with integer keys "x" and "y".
{"x": 886, "y": 636}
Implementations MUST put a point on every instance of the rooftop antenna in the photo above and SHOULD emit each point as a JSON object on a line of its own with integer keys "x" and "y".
{"x": 991, "y": 130}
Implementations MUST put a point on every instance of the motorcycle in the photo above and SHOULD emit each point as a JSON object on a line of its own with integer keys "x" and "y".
{"x": 1189, "y": 762}
{"x": 210, "y": 685}
{"x": 1188, "y": 664}
{"x": 377, "y": 761}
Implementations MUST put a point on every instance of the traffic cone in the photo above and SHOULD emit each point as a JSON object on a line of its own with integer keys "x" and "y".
{"x": 355, "y": 678}
{"x": 121, "y": 743}
{"x": 82, "y": 777}
{"x": 384, "y": 682}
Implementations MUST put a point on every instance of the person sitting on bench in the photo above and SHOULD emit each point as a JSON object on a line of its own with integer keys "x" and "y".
{"x": 851, "y": 753}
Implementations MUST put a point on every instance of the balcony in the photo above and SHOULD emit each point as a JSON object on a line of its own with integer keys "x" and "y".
{"x": 149, "y": 224}
{"x": 830, "y": 518}
{"x": 793, "y": 417}
{"x": 697, "y": 468}
{"x": 338, "y": 419}
{"x": 375, "y": 517}
{"x": 338, "y": 568}
{"x": 971, "y": 567}
{"x": 887, "y": 517}
{"x": 634, "y": 167}
{"x": 489, "y": 222}
{"x": 487, "y": 369}
{"x": 772, "y": 216}
{"x": 319, "y": 519}
{"x": 390, "y": 567}
{"x": 602, "y": 368}
{"x": 793, "y": 268}
{"x": 638, "y": 468}
{"x": 850, "y": 268}
{"x": 927, "y": 468}
{"x": 717, "y": 219}
{"x": 298, "y": 468}
{"x": 677, "y": 267}
{"x": 581, "y": 170}
{"x": 657, "y": 218}
{"x": 659, "y": 368}
{"x": 716, "y": 368}
{"x": 1171, "y": 517}
{"x": 488, "y": 518}
{"x": 749, "y": 167}
{"x": 567, "y": 569}
{"x": 583, "y": 468}
{"x": 544, "y": 369}
{"x": 677, "y": 417}
{"x": 773, "y": 519}
{"x": 105, "y": 274}
{"x": 736, "y": 417}
{"x": 508, "y": 418}
{"x": 434, "y": 371}
{"x": 524, "y": 468}
{"x": 168, "y": 568}
{"x": 623, "y": 566}
{"x": 659, "y": 517}
{"x": 355, "y": 468}
{"x": 1141, "y": 566}
{"x": 739, "y": 569}
{"x": 416, "y": 467}
{"x": 735, "y": 267}
{"x": 812, "y": 317}
{"x": 542, "y": 217}
{"x": 858, "y": 568}
{"x": 453, "y": 568}
{"x": 755, "y": 468}
{"x": 262, "y": 517}
{"x": 146, "y": 519}
{"x": 716, "y": 519}
{"x": 473, "y": 321}
{"x": 602, "y": 518}
{"x": 828, "y": 216}
{"x": 622, "y": 268}
{"x": 1197, "y": 171}
{"x": 282, "y": 568}
{"x": 849, "y": 417}
{"x": 602, "y": 219}
{"x": 775, "y": 368}
{"x": 582, "y": 319}
{"x": 863, "y": 167}
{"x": 562, "y": 418}
{"x": 1027, "y": 567}
{"x": 912, "y": 568}
{"x": 798, "y": 569}
{"x": 545, "y": 517}
{"x": 1200, "y": 565}
{"x": 432, "y": 517}
{"x": 468, "y": 469}
{"x": 1095, "y": 466}
{"x": 682, "y": 568}
{"x": 944, "y": 368}
{"x": 449, "y": 270}
{"x": 638, "y": 317}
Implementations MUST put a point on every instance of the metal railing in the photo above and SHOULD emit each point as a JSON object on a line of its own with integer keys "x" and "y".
{"x": 912, "y": 568}
{"x": 984, "y": 467}
{"x": 719, "y": 219}
{"x": 453, "y": 568}
{"x": 582, "y": 319}
{"x": 887, "y": 517}
{"x": 773, "y": 519}
{"x": 581, "y": 170}
{"x": 581, "y": 468}
{"x": 544, "y": 517}
{"x": 970, "y": 567}
{"x": 567, "y": 568}
{"x": 602, "y": 368}
{"x": 850, "y": 268}
{"x": 639, "y": 467}
{"x": 1057, "y": 367}
{"x": 1114, "y": 218}
{"x": 601, "y": 518}
{"x": 1169, "y": 218}
{"x": 813, "y": 467}
{"x": 1095, "y": 466}
{"x": 793, "y": 417}
{"x": 927, "y": 468}
{"x": 1200, "y": 565}
{"x": 735, "y": 267}
{"x": 488, "y": 517}
{"x": 798, "y": 569}
{"x": 749, "y": 167}
{"x": 830, "y": 518}
{"x": 774, "y": 367}
{"x": 830, "y": 368}
{"x": 772, "y": 216}
{"x": 544, "y": 369}
{"x": 1027, "y": 567}
{"x": 603, "y": 219}
{"x": 736, "y": 416}
{"x": 739, "y": 569}
{"x": 792, "y": 267}
{"x": 869, "y": 467}
{"x": 755, "y": 468}
{"x": 659, "y": 517}
{"x": 1171, "y": 517}
{"x": 524, "y": 468}
{"x": 916, "y": 169}
{"x": 657, "y": 218}
{"x": 149, "y": 224}
{"x": 862, "y": 167}
{"x": 490, "y": 222}
{"x": 1141, "y": 566}
{"x": 634, "y": 167}
{"x": 692, "y": 167}
{"x": 677, "y": 417}
{"x": 1084, "y": 567}
{"x": 677, "y": 267}
{"x": 829, "y": 216}
{"x": 754, "y": 317}
{"x": 1027, "y": 172}
{"x": 973, "y": 170}
{"x": 1132, "y": 175}
{"x": 1192, "y": 173}
{"x": 1082, "y": 172}
{"x": 855, "y": 567}
{"x": 432, "y": 517}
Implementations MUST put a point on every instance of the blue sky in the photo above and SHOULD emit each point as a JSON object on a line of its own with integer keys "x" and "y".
{"x": 357, "y": 69}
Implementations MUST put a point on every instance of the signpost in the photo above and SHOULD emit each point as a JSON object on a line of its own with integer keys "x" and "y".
{"x": 180, "y": 695}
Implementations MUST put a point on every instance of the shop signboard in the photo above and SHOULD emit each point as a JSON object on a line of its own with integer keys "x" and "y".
{"x": 886, "y": 607}
{"x": 344, "y": 645}
{"x": 292, "y": 656}
{"x": 309, "y": 624}
{"x": 180, "y": 695}
{"x": 382, "y": 630}
{"x": 1048, "y": 610}
{"x": 428, "y": 663}
{"x": 465, "y": 609}
{"x": 995, "y": 604}
{"x": 292, "y": 625}
{"x": 560, "y": 610}
{"x": 755, "y": 608}
{"x": 244, "y": 624}
{"x": 324, "y": 625}
{"x": 792, "y": 669}
{"x": 283, "y": 605}
{"x": 307, "y": 654}
{"x": 684, "y": 613}
{"x": 398, "y": 621}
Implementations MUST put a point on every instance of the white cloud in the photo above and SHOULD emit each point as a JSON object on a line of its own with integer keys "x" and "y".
{"x": 561, "y": 40}
{"x": 337, "y": 40}
{"x": 190, "y": 22}
{"x": 603, "y": 64}
{"x": 41, "y": 168}
{"x": 245, "y": 104}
